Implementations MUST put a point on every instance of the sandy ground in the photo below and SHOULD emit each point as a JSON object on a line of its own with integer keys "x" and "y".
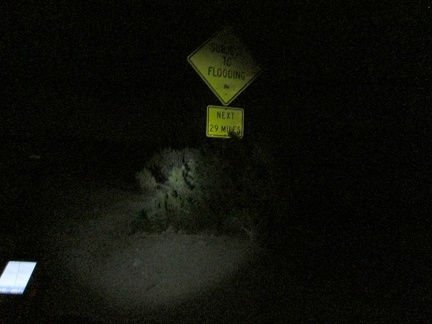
{"x": 93, "y": 268}
{"x": 101, "y": 269}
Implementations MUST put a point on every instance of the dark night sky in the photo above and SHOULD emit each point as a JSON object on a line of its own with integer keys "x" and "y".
{"x": 333, "y": 74}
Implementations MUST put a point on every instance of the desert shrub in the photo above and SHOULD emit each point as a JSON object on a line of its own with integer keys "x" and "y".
{"x": 256, "y": 177}
{"x": 228, "y": 186}
{"x": 173, "y": 194}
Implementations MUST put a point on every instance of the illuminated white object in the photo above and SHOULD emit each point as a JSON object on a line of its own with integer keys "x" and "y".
{"x": 16, "y": 276}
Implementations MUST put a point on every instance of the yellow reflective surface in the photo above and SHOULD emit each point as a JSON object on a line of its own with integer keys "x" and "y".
{"x": 221, "y": 121}
{"x": 225, "y": 65}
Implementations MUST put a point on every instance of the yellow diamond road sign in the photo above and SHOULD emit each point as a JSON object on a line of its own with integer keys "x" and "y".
{"x": 221, "y": 121}
{"x": 224, "y": 63}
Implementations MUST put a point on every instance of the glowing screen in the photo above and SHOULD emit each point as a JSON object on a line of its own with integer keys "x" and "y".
{"x": 16, "y": 276}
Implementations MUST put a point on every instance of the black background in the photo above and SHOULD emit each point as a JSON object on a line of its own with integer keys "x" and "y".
{"x": 343, "y": 99}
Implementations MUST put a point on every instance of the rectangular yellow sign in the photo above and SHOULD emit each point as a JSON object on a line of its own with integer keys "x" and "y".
{"x": 222, "y": 121}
